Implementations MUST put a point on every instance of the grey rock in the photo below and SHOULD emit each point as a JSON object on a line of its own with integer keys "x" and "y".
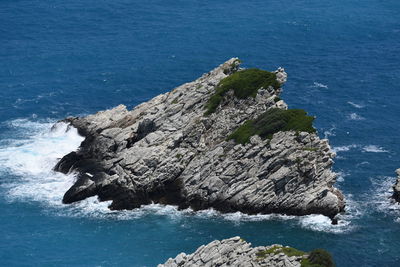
{"x": 281, "y": 75}
{"x": 396, "y": 187}
{"x": 166, "y": 151}
{"x": 235, "y": 252}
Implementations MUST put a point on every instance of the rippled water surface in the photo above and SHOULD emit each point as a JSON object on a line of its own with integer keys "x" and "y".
{"x": 63, "y": 58}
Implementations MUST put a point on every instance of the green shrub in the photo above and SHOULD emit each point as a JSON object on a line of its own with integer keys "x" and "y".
{"x": 273, "y": 121}
{"x": 317, "y": 258}
{"x": 244, "y": 83}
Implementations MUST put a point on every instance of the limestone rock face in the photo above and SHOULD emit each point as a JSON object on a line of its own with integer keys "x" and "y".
{"x": 235, "y": 252}
{"x": 396, "y": 187}
{"x": 167, "y": 151}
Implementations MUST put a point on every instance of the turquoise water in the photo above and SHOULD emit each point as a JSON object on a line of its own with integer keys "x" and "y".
{"x": 62, "y": 58}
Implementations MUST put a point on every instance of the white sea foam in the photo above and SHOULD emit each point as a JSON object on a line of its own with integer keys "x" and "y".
{"x": 35, "y": 149}
{"x": 316, "y": 222}
{"x": 330, "y": 132}
{"x": 21, "y": 101}
{"x": 345, "y": 221}
{"x": 380, "y": 196}
{"x": 374, "y": 149}
{"x": 313, "y": 222}
{"x": 32, "y": 155}
{"x": 366, "y": 148}
{"x": 355, "y": 117}
{"x": 344, "y": 148}
{"x": 320, "y": 85}
{"x": 340, "y": 176}
{"x": 92, "y": 207}
{"x": 242, "y": 217}
{"x": 355, "y": 105}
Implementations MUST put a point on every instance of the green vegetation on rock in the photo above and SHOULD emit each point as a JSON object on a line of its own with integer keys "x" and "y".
{"x": 175, "y": 101}
{"x": 244, "y": 83}
{"x": 315, "y": 258}
{"x": 292, "y": 252}
{"x": 263, "y": 254}
{"x": 273, "y": 121}
{"x": 318, "y": 258}
{"x": 277, "y": 249}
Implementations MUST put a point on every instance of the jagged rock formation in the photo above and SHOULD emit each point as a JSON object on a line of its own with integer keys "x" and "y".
{"x": 237, "y": 252}
{"x": 396, "y": 187}
{"x": 168, "y": 151}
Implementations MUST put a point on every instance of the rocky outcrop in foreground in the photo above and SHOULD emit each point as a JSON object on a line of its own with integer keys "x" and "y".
{"x": 169, "y": 150}
{"x": 396, "y": 187}
{"x": 237, "y": 252}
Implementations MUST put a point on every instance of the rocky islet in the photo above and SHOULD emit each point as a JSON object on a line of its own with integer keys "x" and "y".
{"x": 168, "y": 151}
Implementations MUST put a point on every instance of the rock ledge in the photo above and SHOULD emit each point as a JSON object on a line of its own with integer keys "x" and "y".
{"x": 237, "y": 252}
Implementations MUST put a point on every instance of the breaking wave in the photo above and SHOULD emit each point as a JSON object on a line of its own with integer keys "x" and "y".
{"x": 28, "y": 160}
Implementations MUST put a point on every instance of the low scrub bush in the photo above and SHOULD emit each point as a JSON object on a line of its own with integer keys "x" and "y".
{"x": 273, "y": 121}
{"x": 244, "y": 84}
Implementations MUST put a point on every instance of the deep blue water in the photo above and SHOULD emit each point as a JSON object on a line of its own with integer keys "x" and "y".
{"x": 62, "y": 58}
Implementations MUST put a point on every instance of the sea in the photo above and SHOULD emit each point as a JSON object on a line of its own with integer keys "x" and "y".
{"x": 73, "y": 58}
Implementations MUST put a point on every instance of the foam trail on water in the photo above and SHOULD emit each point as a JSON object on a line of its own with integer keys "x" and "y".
{"x": 320, "y": 85}
{"x": 366, "y": 148}
{"x": 343, "y": 148}
{"x": 355, "y": 105}
{"x": 373, "y": 149}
